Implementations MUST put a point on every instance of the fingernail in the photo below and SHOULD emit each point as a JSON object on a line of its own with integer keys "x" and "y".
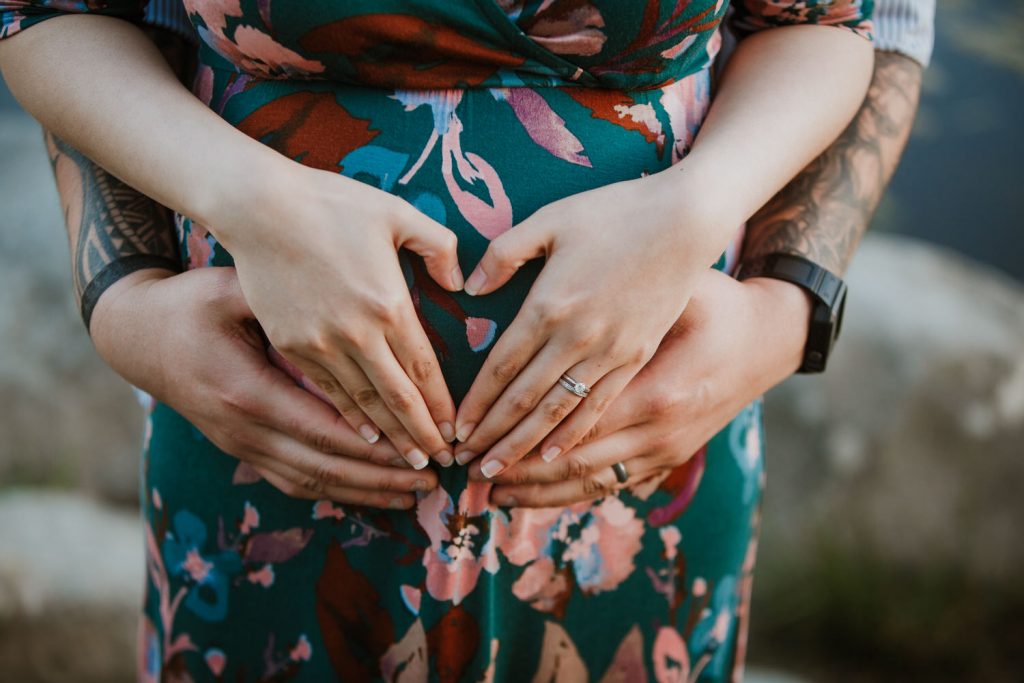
{"x": 445, "y": 458}
{"x": 463, "y": 431}
{"x": 464, "y": 457}
{"x": 509, "y": 501}
{"x": 447, "y": 431}
{"x": 397, "y": 504}
{"x": 476, "y": 282}
{"x": 417, "y": 458}
{"x": 419, "y": 485}
{"x": 551, "y": 453}
{"x": 490, "y": 468}
{"x": 457, "y": 281}
{"x": 369, "y": 433}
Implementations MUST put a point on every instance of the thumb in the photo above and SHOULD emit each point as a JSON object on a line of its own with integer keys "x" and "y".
{"x": 505, "y": 255}
{"x": 437, "y": 245}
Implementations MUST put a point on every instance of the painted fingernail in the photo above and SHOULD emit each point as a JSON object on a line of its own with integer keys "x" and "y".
{"x": 476, "y": 281}
{"x": 397, "y": 504}
{"x": 419, "y": 485}
{"x": 464, "y": 457}
{"x": 447, "y": 431}
{"x": 457, "y": 281}
{"x": 462, "y": 432}
{"x": 417, "y": 458}
{"x": 490, "y": 468}
{"x": 509, "y": 501}
{"x": 369, "y": 433}
{"x": 551, "y": 453}
{"x": 445, "y": 458}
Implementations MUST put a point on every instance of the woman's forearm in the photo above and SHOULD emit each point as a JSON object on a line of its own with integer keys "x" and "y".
{"x": 786, "y": 94}
{"x": 825, "y": 210}
{"x": 100, "y": 84}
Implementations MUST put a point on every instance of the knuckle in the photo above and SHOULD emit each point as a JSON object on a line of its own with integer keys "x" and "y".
{"x": 423, "y": 369}
{"x": 386, "y": 310}
{"x": 386, "y": 482}
{"x": 551, "y": 314}
{"x": 555, "y": 411}
{"x": 664, "y": 403}
{"x": 313, "y": 484}
{"x": 367, "y": 397}
{"x": 593, "y": 486}
{"x": 499, "y": 254}
{"x": 401, "y": 400}
{"x": 575, "y": 467}
{"x": 504, "y": 371}
{"x": 523, "y": 401}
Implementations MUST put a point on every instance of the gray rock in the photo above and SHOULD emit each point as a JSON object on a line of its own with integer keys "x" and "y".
{"x": 912, "y": 442}
{"x": 71, "y": 577}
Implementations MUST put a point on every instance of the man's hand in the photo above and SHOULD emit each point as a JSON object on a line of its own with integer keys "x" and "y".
{"x": 190, "y": 340}
{"x": 734, "y": 342}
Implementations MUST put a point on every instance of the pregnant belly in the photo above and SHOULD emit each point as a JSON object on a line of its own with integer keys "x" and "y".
{"x": 477, "y": 161}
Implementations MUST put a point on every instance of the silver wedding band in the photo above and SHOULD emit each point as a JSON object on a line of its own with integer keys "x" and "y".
{"x": 578, "y": 388}
{"x": 620, "y": 472}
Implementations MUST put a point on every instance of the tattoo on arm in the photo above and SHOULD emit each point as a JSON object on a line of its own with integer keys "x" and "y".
{"x": 825, "y": 210}
{"x": 113, "y": 229}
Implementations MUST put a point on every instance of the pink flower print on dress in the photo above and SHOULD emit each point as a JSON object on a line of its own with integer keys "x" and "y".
{"x": 250, "y": 518}
{"x": 197, "y": 567}
{"x": 463, "y": 541}
{"x": 262, "y": 577}
{"x": 596, "y": 545}
{"x": 303, "y": 651}
{"x": 216, "y": 660}
{"x": 325, "y": 509}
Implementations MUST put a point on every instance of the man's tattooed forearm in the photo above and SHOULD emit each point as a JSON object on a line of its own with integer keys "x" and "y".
{"x": 825, "y": 210}
{"x": 113, "y": 230}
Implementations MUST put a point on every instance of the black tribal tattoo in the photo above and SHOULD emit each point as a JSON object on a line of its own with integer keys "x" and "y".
{"x": 113, "y": 229}
{"x": 823, "y": 213}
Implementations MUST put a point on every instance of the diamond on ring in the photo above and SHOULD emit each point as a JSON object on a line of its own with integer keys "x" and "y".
{"x": 578, "y": 388}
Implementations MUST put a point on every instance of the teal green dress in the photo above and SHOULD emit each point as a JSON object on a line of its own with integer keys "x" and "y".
{"x": 477, "y": 112}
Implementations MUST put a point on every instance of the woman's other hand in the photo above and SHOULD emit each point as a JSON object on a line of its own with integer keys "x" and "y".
{"x": 318, "y": 262}
{"x": 735, "y": 341}
{"x": 190, "y": 341}
{"x": 621, "y": 262}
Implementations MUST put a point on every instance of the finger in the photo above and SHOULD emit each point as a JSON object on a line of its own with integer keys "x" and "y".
{"x": 542, "y": 378}
{"x": 405, "y": 401}
{"x": 413, "y": 351}
{"x": 377, "y": 406}
{"x": 285, "y": 408}
{"x": 335, "y": 471}
{"x": 598, "y": 484}
{"x": 435, "y": 243}
{"x": 582, "y": 420}
{"x": 506, "y": 254}
{"x": 511, "y": 353}
{"x": 310, "y": 374}
{"x": 556, "y": 405}
{"x": 297, "y": 484}
{"x": 582, "y": 461}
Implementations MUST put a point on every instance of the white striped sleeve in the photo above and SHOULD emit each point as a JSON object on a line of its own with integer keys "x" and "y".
{"x": 907, "y": 27}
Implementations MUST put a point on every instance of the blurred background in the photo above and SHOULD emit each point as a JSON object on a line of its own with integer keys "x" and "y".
{"x": 892, "y": 534}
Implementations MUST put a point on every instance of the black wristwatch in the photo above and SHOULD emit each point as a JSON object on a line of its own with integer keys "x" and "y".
{"x": 827, "y": 290}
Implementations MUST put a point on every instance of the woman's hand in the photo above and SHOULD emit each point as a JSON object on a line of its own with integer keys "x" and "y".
{"x": 735, "y": 341}
{"x": 191, "y": 342}
{"x": 622, "y": 261}
{"x": 318, "y": 262}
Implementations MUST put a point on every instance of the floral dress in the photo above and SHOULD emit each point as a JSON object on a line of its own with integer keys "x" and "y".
{"x": 477, "y": 112}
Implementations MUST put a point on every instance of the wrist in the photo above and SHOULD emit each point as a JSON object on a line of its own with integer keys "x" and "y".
{"x": 119, "y": 326}
{"x": 783, "y": 314}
